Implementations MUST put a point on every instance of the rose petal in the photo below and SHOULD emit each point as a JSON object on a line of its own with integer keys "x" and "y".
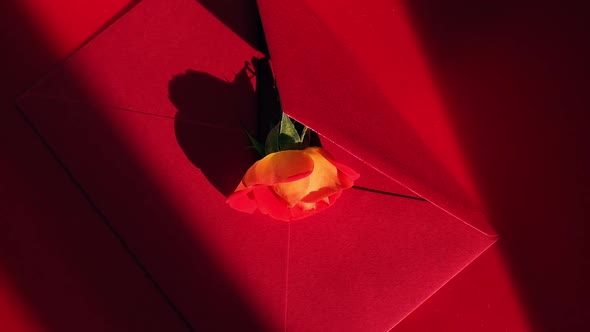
{"x": 332, "y": 199}
{"x": 345, "y": 181}
{"x": 284, "y": 166}
{"x": 304, "y": 210}
{"x": 242, "y": 200}
{"x": 341, "y": 167}
{"x": 320, "y": 194}
{"x": 292, "y": 192}
{"x": 325, "y": 174}
{"x": 269, "y": 203}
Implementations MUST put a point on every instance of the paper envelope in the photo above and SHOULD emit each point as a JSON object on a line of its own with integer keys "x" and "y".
{"x": 148, "y": 119}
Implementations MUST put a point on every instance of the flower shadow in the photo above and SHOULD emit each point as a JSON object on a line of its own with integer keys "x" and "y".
{"x": 214, "y": 116}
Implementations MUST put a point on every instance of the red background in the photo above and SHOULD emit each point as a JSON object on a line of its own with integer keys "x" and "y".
{"x": 525, "y": 146}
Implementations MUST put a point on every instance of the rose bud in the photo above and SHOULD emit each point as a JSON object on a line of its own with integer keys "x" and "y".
{"x": 292, "y": 184}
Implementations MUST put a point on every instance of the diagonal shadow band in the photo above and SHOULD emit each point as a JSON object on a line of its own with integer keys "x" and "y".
{"x": 238, "y": 16}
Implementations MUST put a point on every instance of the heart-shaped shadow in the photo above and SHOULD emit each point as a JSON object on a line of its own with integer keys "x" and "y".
{"x": 213, "y": 118}
{"x": 209, "y": 124}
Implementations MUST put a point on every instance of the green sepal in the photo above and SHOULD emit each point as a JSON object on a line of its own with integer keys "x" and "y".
{"x": 272, "y": 140}
{"x": 259, "y": 147}
{"x": 289, "y": 138}
{"x": 287, "y": 135}
{"x": 305, "y": 137}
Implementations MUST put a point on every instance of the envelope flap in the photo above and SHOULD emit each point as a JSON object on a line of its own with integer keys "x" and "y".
{"x": 130, "y": 64}
{"x": 355, "y": 73}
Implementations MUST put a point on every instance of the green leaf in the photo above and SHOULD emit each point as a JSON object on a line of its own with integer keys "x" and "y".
{"x": 289, "y": 138}
{"x": 305, "y": 138}
{"x": 287, "y": 135}
{"x": 272, "y": 140}
{"x": 259, "y": 147}
{"x": 288, "y": 128}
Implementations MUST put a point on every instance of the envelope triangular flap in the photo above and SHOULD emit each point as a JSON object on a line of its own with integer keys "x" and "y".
{"x": 323, "y": 84}
{"x": 368, "y": 270}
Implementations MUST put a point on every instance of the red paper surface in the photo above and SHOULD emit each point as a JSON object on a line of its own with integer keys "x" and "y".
{"x": 61, "y": 269}
{"x": 482, "y": 104}
{"x": 139, "y": 169}
{"x": 365, "y": 263}
{"x": 512, "y": 77}
{"x": 355, "y": 73}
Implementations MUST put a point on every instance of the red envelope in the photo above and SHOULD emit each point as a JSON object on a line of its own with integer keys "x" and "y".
{"x": 148, "y": 118}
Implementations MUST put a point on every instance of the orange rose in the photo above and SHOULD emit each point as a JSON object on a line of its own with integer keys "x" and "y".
{"x": 292, "y": 184}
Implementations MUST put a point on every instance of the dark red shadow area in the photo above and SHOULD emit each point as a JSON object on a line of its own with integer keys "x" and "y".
{"x": 21, "y": 45}
{"x": 515, "y": 78}
{"x": 238, "y": 15}
{"x": 64, "y": 269}
{"x": 68, "y": 286}
{"x": 220, "y": 153}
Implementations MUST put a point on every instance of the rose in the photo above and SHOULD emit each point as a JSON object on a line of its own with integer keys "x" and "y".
{"x": 292, "y": 184}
